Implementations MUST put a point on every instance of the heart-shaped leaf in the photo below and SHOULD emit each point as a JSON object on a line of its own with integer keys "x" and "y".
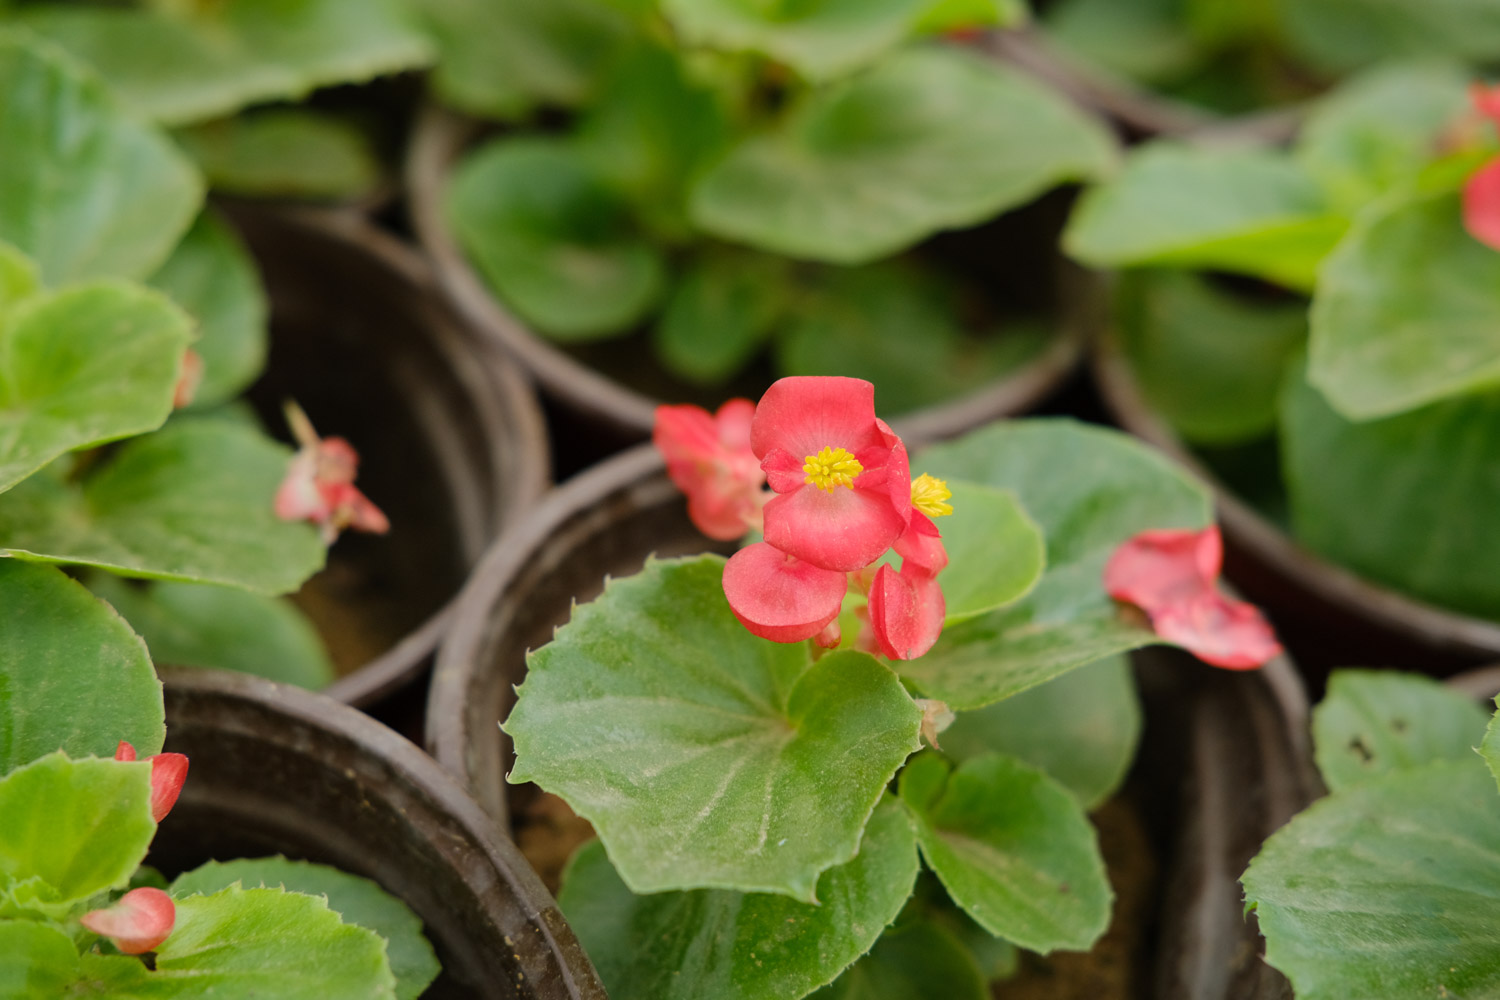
{"x": 738, "y": 946}
{"x": 701, "y": 753}
{"x": 83, "y": 366}
{"x": 910, "y": 963}
{"x": 285, "y": 153}
{"x": 996, "y": 552}
{"x": 930, "y": 139}
{"x": 85, "y": 189}
{"x": 1374, "y": 722}
{"x": 1012, "y": 847}
{"x": 73, "y": 677}
{"x": 1407, "y": 311}
{"x": 1387, "y": 888}
{"x": 1081, "y": 729}
{"x": 193, "y": 502}
{"x": 1068, "y": 620}
{"x": 552, "y": 240}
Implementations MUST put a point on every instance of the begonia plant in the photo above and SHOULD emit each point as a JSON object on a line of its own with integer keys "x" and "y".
{"x": 746, "y": 734}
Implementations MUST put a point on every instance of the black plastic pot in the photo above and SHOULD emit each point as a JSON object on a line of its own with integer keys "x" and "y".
{"x": 275, "y": 769}
{"x": 1225, "y": 760}
{"x": 452, "y": 441}
{"x": 605, "y": 406}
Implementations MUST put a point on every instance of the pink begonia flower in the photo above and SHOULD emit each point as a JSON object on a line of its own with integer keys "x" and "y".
{"x": 139, "y": 921}
{"x": 1173, "y": 577}
{"x": 907, "y": 607}
{"x": 780, "y": 597}
{"x": 168, "y": 772}
{"x": 1486, "y": 100}
{"x": 841, "y": 474}
{"x": 319, "y": 484}
{"x": 1481, "y": 197}
{"x": 188, "y": 381}
{"x": 709, "y": 458}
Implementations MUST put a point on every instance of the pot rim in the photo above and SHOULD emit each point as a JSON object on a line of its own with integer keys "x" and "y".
{"x": 441, "y": 136}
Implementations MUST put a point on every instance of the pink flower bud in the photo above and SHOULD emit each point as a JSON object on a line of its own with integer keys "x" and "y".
{"x": 139, "y": 921}
{"x": 168, "y": 772}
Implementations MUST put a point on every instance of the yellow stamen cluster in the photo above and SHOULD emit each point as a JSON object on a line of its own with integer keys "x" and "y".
{"x": 930, "y": 495}
{"x": 831, "y": 468}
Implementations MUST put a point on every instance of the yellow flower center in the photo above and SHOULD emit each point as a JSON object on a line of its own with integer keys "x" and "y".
{"x": 831, "y": 468}
{"x": 929, "y": 495}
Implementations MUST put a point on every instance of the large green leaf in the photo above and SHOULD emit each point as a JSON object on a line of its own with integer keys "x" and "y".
{"x": 19, "y": 277}
{"x": 83, "y": 366}
{"x": 720, "y": 314}
{"x": 915, "y": 962}
{"x": 1401, "y": 500}
{"x": 81, "y": 826}
{"x": 1407, "y": 311}
{"x": 1210, "y": 361}
{"x": 554, "y": 242}
{"x": 502, "y": 58}
{"x": 1081, "y": 729}
{"x": 1490, "y": 748}
{"x": 36, "y": 960}
{"x": 198, "y": 625}
{"x": 1338, "y": 35}
{"x": 180, "y": 63}
{"x": 1374, "y": 722}
{"x": 1012, "y": 847}
{"x": 73, "y": 676}
{"x": 285, "y": 153}
{"x": 1252, "y": 211}
{"x": 930, "y": 139}
{"x": 356, "y": 900}
{"x": 996, "y": 552}
{"x": 191, "y": 502}
{"x": 737, "y": 946}
{"x": 952, "y": 15}
{"x": 1387, "y": 889}
{"x": 85, "y": 190}
{"x": 820, "y": 39}
{"x": 700, "y": 752}
{"x": 1068, "y": 620}
{"x": 253, "y": 943}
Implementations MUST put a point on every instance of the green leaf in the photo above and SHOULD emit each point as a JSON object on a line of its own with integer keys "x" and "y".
{"x": 1407, "y": 311}
{"x": 1068, "y": 620}
{"x": 195, "y": 625}
{"x": 552, "y": 240}
{"x": 899, "y": 327}
{"x": 820, "y": 39}
{"x": 1339, "y": 35}
{"x": 83, "y": 366}
{"x": 503, "y": 60}
{"x": 1387, "y": 889}
{"x": 254, "y": 943}
{"x": 931, "y": 138}
{"x": 36, "y": 960}
{"x": 1081, "y": 729}
{"x": 736, "y": 946}
{"x": 1210, "y": 361}
{"x": 73, "y": 676}
{"x": 915, "y": 962}
{"x": 357, "y": 900}
{"x": 85, "y": 190}
{"x": 284, "y": 153}
{"x": 996, "y": 552}
{"x": 1380, "y": 130}
{"x": 720, "y": 313}
{"x": 700, "y": 752}
{"x": 198, "y": 61}
{"x": 1490, "y": 748}
{"x": 1012, "y": 847}
{"x": 1143, "y": 40}
{"x": 19, "y": 278}
{"x": 1251, "y": 211}
{"x": 81, "y": 826}
{"x": 1401, "y": 500}
{"x": 1374, "y": 722}
{"x": 191, "y": 502}
{"x": 951, "y": 15}
{"x": 212, "y": 275}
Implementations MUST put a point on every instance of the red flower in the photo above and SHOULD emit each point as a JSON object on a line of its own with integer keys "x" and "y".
{"x": 710, "y": 460}
{"x": 842, "y": 474}
{"x": 1486, "y": 100}
{"x": 906, "y": 607}
{"x": 1173, "y": 577}
{"x": 780, "y": 597}
{"x": 139, "y": 921}
{"x": 1482, "y": 190}
{"x": 319, "y": 484}
{"x": 168, "y": 772}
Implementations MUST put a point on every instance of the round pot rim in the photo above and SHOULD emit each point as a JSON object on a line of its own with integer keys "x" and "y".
{"x": 1361, "y": 598}
{"x": 441, "y": 136}
{"x": 509, "y": 414}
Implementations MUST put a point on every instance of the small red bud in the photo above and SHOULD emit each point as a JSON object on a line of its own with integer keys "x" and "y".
{"x": 168, "y": 772}
{"x": 139, "y": 921}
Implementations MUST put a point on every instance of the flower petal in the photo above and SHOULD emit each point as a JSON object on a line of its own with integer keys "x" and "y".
{"x": 804, "y": 414}
{"x": 781, "y": 598}
{"x": 709, "y": 459}
{"x": 1156, "y": 568}
{"x": 137, "y": 923}
{"x": 921, "y": 546}
{"x": 1218, "y": 630}
{"x": 168, "y": 772}
{"x": 844, "y": 530}
{"x": 906, "y": 612}
{"x": 1482, "y": 205}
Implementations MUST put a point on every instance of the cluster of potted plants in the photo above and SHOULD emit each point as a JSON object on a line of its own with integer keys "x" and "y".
{"x": 852, "y": 682}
